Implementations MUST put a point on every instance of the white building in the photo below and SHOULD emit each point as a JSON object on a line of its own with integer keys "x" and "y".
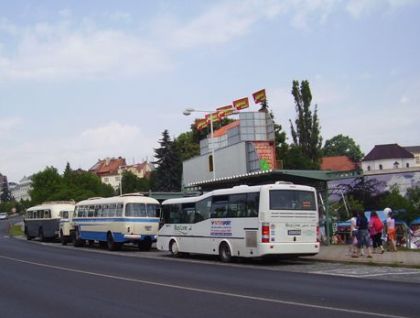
{"x": 21, "y": 190}
{"x": 388, "y": 158}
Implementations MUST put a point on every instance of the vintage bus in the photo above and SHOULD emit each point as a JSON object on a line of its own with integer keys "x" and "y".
{"x": 129, "y": 218}
{"x": 244, "y": 221}
{"x": 43, "y": 220}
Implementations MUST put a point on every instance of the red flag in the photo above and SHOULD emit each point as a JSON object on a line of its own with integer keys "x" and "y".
{"x": 241, "y": 103}
{"x": 212, "y": 117}
{"x": 259, "y": 96}
{"x": 200, "y": 124}
{"x": 224, "y": 111}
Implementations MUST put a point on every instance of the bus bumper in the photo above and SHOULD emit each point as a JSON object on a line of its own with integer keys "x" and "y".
{"x": 139, "y": 237}
{"x": 287, "y": 248}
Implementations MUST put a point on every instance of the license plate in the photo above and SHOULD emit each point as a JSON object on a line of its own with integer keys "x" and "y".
{"x": 293, "y": 232}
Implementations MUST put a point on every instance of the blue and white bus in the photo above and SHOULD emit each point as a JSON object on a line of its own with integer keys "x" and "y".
{"x": 244, "y": 221}
{"x": 129, "y": 218}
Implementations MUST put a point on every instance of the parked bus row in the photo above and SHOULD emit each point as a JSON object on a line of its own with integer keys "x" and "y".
{"x": 244, "y": 221}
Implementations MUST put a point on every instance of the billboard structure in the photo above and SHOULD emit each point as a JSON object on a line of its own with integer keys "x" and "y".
{"x": 243, "y": 146}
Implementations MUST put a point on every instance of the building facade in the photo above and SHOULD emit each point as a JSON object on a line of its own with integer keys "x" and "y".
{"x": 244, "y": 146}
{"x": 108, "y": 170}
{"x": 140, "y": 170}
{"x": 21, "y": 191}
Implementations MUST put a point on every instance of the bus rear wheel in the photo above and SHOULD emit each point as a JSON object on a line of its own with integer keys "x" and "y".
{"x": 41, "y": 234}
{"x": 63, "y": 239}
{"x": 225, "y": 255}
{"x": 112, "y": 245}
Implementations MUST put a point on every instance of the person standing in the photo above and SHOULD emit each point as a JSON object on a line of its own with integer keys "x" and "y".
{"x": 391, "y": 231}
{"x": 375, "y": 228}
{"x": 353, "y": 233}
{"x": 363, "y": 237}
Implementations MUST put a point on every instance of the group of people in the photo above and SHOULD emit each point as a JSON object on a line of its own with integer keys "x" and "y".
{"x": 367, "y": 234}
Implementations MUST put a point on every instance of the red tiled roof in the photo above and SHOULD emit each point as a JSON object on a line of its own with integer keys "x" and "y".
{"x": 338, "y": 163}
{"x": 391, "y": 151}
{"x": 223, "y": 130}
{"x": 108, "y": 166}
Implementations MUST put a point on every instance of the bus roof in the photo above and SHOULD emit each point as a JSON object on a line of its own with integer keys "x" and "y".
{"x": 52, "y": 206}
{"x": 240, "y": 189}
{"x": 126, "y": 198}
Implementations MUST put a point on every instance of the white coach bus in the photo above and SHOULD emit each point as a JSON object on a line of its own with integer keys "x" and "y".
{"x": 117, "y": 220}
{"x": 244, "y": 221}
{"x": 43, "y": 220}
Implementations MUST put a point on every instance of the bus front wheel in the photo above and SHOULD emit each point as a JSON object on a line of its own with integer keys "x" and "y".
{"x": 78, "y": 242}
{"x": 63, "y": 239}
{"x": 173, "y": 248}
{"x": 28, "y": 237}
{"x": 225, "y": 254}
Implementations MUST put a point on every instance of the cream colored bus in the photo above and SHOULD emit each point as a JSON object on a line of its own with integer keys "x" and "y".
{"x": 244, "y": 221}
{"x": 117, "y": 220}
{"x": 43, "y": 220}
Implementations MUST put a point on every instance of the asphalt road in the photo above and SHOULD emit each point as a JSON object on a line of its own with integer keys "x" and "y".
{"x": 42, "y": 280}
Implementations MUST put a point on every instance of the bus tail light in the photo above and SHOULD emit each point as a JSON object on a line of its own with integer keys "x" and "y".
{"x": 318, "y": 235}
{"x": 265, "y": 233}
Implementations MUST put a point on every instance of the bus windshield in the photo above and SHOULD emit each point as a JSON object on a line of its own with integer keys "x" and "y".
{"x": 292, "y": 200}
{"x": 141, "y": 210}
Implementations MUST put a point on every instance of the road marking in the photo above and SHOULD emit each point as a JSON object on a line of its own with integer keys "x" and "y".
{"x": 204, "y": 291}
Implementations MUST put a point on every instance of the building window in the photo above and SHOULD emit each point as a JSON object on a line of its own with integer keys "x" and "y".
{"x": 368, "y": 167}
{"x": 106, "y": 180}
{"x": 380, "y": 167}
{"x": 210, "y": 163}
{"x": 407, "y": 165}
{"x": 396, "y": 164}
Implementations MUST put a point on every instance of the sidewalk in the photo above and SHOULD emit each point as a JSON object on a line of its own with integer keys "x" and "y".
{"x": 340, "y": 253}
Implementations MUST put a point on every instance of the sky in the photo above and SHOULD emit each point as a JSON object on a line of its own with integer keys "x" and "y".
{"x": 85, "y": 80}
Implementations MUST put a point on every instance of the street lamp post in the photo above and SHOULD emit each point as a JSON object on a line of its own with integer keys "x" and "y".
{"x": 188, "y": 112}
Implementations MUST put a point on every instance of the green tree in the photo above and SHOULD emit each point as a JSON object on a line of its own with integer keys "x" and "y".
{"x": 279, "y": 134}
{"x": 49, "y": 185}
{"x": 341, "y": 145}
{"x": 131, "y": 183}
{"x": 186, "y": 147}
{"x": 398, "y": 203}
{"x": 306, "y": 131}
{"x": 168, "y": 174}
{"x": 413, "y": 195}
{"x": 45, "y": 184}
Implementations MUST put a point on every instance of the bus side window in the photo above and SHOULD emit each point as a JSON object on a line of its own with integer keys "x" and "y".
{"x": 112, "y": 210}
{"x": 47, "y": 214}
{"x": 219, "y": 207}
{"x": 120, "y": 209}
{"x": 91, "y": 211}
{"x": 175, "y": 214}
{"x": 188, "y": 213}
{"x": 253, "y": 203}
{"x": 237, "y": 206}
{"x": 202, "y": 210}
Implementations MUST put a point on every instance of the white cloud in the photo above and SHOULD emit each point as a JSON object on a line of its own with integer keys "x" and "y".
{"x": 82, "y": 150}
{"x": 63, "y": 51}
{"x": 361, "y": 8}
{"x": 7, "y": 125}
{"x": 404, "y": 99}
